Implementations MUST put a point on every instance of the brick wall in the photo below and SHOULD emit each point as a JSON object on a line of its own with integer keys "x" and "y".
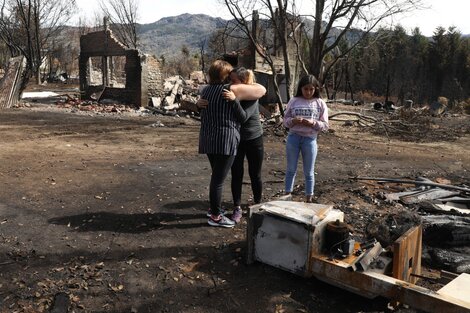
{"x": 143, "y": 75}
{"x": 154, "y": 77}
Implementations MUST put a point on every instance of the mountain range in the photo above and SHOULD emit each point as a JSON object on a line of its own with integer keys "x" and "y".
{"x": 168, "y": 35}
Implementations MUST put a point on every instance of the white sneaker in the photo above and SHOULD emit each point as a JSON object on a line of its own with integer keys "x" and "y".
{"x": 221, "y": 221}
{"x": 287, "y": 197}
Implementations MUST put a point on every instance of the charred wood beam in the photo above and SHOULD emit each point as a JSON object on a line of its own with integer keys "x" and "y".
{"x": 413, "y": 182}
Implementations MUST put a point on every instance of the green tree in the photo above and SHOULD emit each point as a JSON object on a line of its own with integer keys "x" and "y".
{"x": 441, "y": 50}
{"x": 455, "y": 78}
{"x": 418, "y": 51}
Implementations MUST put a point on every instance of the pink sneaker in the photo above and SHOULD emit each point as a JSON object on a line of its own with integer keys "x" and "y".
{"x": 237, "y": 215}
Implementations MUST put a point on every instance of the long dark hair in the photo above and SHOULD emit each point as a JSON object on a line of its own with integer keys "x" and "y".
{"x": 308, "y": 80}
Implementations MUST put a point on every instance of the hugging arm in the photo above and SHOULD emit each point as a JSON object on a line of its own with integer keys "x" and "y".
{"x": 243, "y": 113}
{"x": 248, "y": 92}
{"x": 232, "y": 99}
{"x": 243, "y": 92}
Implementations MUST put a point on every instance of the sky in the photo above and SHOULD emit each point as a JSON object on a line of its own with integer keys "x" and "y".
{"x": 440, "y": 13}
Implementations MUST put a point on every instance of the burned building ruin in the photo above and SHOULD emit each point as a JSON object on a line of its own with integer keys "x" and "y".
{"x": 109, "y": 70}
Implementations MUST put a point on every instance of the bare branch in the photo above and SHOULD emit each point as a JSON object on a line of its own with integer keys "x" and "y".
{"x": 122, "y": 14}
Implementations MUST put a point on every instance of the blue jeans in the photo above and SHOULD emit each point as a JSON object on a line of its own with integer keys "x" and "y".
{"x": 295, "y": 145}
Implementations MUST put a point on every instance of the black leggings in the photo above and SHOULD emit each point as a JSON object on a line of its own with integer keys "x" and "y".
{"x": 220, "y": 165}
{"x": 254, "y": 151}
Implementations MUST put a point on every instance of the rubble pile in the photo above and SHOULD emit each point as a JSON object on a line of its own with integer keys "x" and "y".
{"x": 438, "y": 121}
{"x": 388, "y": 228}
{"x": 441, "y": 208}
{"x": 179, "y": 93}
{"x": 93, "y": 106}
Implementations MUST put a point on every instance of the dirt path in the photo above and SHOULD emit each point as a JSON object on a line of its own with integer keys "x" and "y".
{"x": 111, "y": 210}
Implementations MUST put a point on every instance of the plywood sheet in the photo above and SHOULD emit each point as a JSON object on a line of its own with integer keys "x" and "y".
{"x": 458, "y": 288}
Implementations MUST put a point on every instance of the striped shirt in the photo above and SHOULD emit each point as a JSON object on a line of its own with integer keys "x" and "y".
{"x": 220, "y": 123}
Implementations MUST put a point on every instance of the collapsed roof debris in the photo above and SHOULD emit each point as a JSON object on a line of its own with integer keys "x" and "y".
{"x": 444, "y": 212}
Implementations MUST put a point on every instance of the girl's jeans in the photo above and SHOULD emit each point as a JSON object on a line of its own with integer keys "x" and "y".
{"x": 308, "y": 147}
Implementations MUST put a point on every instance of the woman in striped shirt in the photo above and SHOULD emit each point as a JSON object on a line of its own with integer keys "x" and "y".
{"x": 219, "y": 135}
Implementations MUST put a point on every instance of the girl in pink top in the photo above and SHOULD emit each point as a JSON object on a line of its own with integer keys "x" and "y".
{"x": 305, "y": 116}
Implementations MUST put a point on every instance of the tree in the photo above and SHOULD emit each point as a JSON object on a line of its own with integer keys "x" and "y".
{"x": 202, "y": 52}
{"x": 417, "y": 80}
{"x": 122, "y": 14}
{"x": 183, "y": 64}
{"x": 439, "y": 52}
{"x": 462, "y": 69}
{"x": 391, "y": 63}
{"x": 393, "y": 50}
{"x": 28, "y": 27}
{"x": 4, "y": 55}
{"x": 448, "y": 64}
{"x": 185, "y": 51}
{"x": 225, "y": 40}
{"x": 334, "y": 20}
{"x": 279, "y": 28}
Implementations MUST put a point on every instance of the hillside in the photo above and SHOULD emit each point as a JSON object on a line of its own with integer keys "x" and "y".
{"x": 169, "y": 34}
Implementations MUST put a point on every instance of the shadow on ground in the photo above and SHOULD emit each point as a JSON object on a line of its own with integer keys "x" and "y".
{"x": 137, "y": 223}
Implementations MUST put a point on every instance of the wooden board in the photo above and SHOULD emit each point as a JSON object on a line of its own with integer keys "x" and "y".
{"x": 407, "y": 255}
{"x": 372, "y": 284}
{"x": 451, "y": 206}
{"x": 430, "y": 194}
{"x": 300, "y": 212}
{"x": 396, "y": 196}
{"x": 10, "y": 82}
{"x": 458, "y": 288}
{"x": 457, "y": 199}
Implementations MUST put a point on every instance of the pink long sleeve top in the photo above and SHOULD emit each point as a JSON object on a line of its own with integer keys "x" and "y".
{"x": 312, "y": 109}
